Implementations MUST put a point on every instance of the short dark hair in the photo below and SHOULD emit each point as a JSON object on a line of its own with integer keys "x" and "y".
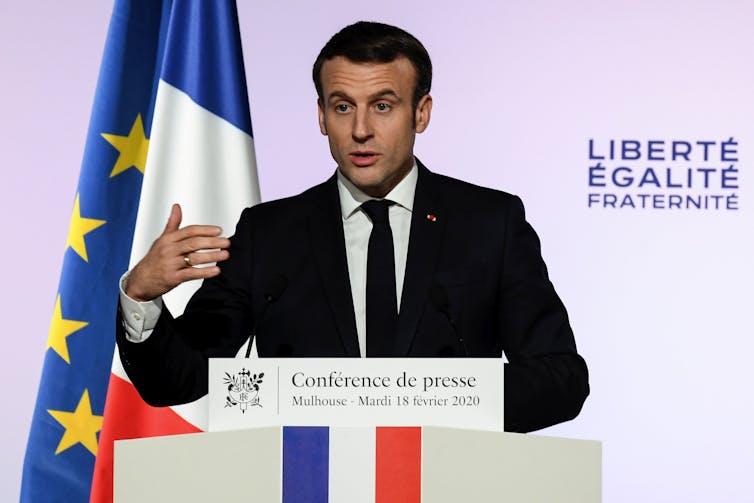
{"x": 370, "y": 42}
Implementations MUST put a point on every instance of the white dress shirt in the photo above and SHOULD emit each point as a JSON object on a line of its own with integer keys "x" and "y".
{"x": 140, "y": 318}
{"x": 357, "y": 227}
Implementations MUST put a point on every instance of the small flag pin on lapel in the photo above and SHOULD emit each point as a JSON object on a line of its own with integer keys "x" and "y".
{"x": 431, "y": 217}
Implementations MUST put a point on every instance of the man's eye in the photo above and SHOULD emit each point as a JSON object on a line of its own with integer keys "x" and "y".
{"x": 341, "y": 108}
{"x": 382, "y": 107}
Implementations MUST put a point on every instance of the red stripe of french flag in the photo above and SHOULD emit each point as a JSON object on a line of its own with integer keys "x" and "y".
{"x": 398, "y": 474}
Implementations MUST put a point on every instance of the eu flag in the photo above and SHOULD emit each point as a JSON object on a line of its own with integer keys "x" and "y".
{"x": 172, "y": 83}
{"x": 67, "y": 418}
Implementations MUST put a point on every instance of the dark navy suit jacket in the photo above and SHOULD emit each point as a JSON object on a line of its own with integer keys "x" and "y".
{"x": 478, "y": 248}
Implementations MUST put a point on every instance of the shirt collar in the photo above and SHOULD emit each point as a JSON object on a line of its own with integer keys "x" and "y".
{"x": 402, "y": 194}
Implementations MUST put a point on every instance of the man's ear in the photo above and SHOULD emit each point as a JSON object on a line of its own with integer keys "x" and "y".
{"x": 321, "y": 115}
{"x": 423, "y": 113}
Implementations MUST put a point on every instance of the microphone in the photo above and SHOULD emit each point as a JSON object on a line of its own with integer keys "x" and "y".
{"x": 438, "y": 295}
{"x": 275, "y": 288}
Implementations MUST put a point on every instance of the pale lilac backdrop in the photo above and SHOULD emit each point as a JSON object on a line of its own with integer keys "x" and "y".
{"x": 658, "y": 299}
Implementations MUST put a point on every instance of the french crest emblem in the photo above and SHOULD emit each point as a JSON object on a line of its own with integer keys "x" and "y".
{"x": 243, "y": 389}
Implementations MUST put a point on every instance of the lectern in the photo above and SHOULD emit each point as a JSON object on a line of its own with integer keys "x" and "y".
{"x": 452, "y": 465}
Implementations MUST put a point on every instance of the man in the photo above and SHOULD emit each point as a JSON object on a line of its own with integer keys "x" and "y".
{"x": 323, "y": 273}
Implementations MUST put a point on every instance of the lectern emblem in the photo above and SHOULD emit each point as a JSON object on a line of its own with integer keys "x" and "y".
{"x": 243, "y": 389}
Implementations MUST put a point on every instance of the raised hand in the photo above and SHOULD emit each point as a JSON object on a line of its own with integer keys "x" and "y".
{"x": 171, "y": 259}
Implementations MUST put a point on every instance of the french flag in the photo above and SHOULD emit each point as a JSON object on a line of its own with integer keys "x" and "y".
{"x": 201, "y": 155}
{"x": 344, "y": 465}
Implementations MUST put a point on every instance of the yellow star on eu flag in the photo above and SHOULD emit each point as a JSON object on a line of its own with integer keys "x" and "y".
{"x": 81, "y": 426}
{"x": 79, "y": 227}
{"x": 133, "y": 148}
{"x": 61, "y": 328}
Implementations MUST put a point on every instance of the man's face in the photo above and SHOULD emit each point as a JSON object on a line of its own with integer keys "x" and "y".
{"x": 368, "y": 117}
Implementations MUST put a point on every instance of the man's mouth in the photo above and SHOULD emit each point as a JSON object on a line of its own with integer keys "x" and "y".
{"x": 363, "y": 159}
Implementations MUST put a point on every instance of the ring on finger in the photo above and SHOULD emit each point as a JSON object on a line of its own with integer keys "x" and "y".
{"x": 187, "y": 260}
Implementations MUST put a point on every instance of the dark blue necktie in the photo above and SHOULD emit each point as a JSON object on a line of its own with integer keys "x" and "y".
{"x": 382, "y": 306}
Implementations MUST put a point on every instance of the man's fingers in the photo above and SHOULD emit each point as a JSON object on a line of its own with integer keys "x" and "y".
{"x": 189, "y": 273}
{"x": 201, "y": 243}
{"x": 199, "y": 258}
{"x": 174, "y": 220}
{"x": 176, "y": 233}
{"x": 195, "y": 230}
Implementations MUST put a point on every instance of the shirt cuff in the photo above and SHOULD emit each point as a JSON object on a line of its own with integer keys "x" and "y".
{"x": 139, "y": 318}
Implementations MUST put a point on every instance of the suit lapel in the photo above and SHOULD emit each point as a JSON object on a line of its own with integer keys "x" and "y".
{"x": 427, "y": 231}
{"x": 329, "y": 248}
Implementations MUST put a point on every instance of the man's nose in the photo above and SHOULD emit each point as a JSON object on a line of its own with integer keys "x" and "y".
{"x": 362, "y": 127}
